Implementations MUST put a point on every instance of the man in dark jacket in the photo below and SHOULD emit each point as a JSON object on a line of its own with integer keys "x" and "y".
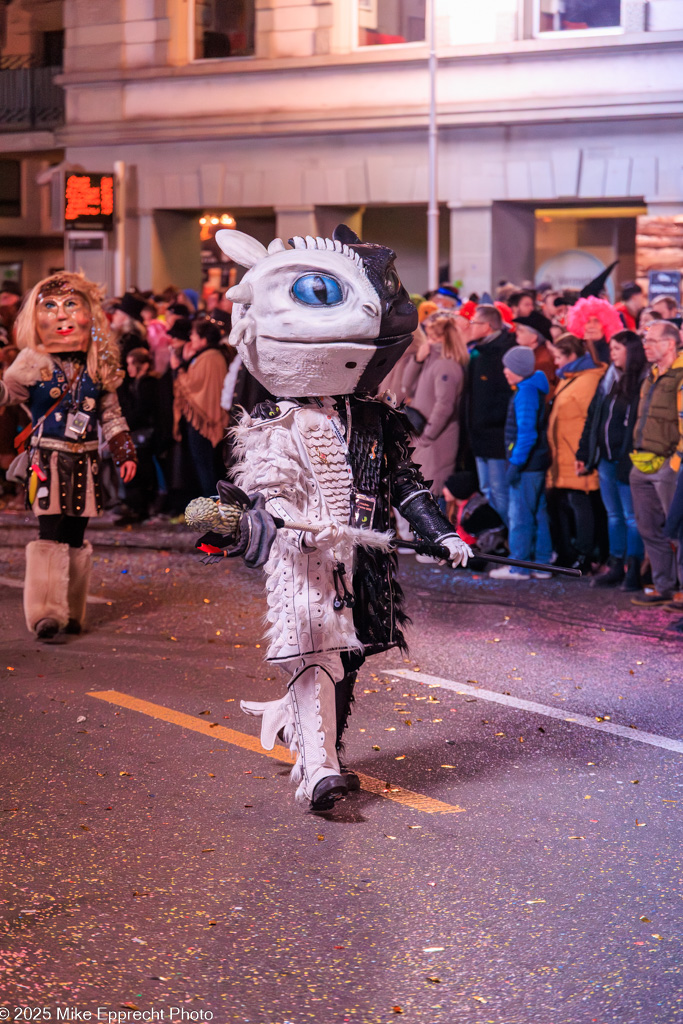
{"x": 487, "y": 402}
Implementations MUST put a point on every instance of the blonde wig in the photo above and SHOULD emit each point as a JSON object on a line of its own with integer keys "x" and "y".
{"x": 102, "y": 357}
{"x": 453, "y": 345}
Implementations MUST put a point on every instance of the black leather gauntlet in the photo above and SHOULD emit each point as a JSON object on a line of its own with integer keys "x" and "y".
{"x": 412, "y": 497}
{"x": 425, "y": 517}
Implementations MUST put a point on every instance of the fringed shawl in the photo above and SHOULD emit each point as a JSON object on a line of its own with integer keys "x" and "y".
{"x": 197, "y": 396}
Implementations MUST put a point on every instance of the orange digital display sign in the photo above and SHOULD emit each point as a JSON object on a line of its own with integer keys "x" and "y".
{"x": 89, "y": 202}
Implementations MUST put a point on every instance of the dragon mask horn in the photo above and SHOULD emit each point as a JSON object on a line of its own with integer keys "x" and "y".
{"x": 241, "y": 248}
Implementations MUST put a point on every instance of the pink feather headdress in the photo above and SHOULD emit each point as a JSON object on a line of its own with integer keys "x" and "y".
{"x": 579, "y": 315}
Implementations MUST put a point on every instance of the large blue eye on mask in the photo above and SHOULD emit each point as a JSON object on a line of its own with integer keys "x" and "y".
{"x": 317, "y": 290}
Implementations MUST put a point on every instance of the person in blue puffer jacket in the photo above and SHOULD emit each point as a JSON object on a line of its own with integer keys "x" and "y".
{"x": 528, "y": 458}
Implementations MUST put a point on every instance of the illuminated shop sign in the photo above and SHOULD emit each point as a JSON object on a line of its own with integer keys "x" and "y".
{"x": 89, "y": 202}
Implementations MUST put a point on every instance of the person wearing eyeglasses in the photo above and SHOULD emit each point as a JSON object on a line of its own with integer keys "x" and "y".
{"x": 657, "y": 455}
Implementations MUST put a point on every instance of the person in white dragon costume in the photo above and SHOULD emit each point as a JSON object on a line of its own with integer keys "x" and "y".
{"x": 320, "y": 325}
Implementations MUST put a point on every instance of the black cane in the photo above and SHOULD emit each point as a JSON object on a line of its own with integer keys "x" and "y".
{"x": 438, "y": 551}
{"x": 212, "y": 514}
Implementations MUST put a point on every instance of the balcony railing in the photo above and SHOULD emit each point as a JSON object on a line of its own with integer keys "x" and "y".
{"x": 29, "y": 98}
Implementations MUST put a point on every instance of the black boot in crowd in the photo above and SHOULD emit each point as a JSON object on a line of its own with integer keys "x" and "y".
{"x": 632, "y": 581}
{"x": 614, "y": 575}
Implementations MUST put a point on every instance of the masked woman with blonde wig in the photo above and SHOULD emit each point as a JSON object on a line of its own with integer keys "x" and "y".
{"x": 67, "y": 374}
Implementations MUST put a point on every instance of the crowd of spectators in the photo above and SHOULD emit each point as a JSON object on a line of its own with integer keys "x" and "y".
{"x": 549, "y": 424}
{"x": 551, "y": 427}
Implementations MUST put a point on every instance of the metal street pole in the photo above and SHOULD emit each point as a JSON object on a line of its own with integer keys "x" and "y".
{"x": 120, "y": 199}
{"x": 433, "y": 208}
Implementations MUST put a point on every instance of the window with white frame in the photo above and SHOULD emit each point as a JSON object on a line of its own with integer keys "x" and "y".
{"x": 223, "y": 28}
{"x": 382, "y": 22}
{"x": 578, "y": 15}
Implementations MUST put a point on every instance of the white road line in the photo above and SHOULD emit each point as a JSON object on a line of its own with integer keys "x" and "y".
{"x": 542, "y": 709}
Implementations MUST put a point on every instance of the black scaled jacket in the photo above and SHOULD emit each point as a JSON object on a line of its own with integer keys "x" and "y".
{"x": 379, "y": 455}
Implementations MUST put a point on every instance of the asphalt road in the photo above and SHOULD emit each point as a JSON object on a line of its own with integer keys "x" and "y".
{"x": 504, "y": 865}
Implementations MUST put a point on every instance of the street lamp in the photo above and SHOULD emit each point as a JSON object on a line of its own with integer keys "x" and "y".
{"x": 433, "y": 207}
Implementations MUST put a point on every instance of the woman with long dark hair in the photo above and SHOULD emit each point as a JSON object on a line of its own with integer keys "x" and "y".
{"x": 605, "y": 443}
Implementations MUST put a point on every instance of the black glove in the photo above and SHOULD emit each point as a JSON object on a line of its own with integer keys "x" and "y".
{"x": 257, "y": 529}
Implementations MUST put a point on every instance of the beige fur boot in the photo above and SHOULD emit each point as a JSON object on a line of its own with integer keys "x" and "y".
{"x": 45, "y": 587}
{"x": 79, "y": 582}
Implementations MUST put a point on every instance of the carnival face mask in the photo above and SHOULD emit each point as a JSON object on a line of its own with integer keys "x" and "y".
{"x": 63, "y": 321}
{"x": 327, "y": 317}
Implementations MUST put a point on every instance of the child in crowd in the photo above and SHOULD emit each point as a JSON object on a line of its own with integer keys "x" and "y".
{"x": 528, "y": 457}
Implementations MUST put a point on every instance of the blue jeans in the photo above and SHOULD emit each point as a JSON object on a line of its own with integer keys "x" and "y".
{"x": 493, "y": 485}
{"x": 624, "y": 538}
{"x": 529, "y": 528}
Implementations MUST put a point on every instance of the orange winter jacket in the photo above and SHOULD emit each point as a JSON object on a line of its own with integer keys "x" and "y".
{"x": 565, "y": 425}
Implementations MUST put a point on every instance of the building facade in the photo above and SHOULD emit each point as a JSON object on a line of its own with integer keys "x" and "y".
{"x": 31, "y": 110}
{"x": 560, "y": 129}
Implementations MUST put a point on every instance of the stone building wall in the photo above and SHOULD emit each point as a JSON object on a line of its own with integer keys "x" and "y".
{"x": 312, "y": 122}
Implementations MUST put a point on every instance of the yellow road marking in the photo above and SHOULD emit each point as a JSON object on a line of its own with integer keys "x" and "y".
{"x": 417, "y": 801}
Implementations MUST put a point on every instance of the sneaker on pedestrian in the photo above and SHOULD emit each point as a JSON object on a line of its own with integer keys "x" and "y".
{"x": 650, "y": 597}
{"x": 676, "y": 605}
{"x": 508, "y": 572}
{"x": 540, "y": 574}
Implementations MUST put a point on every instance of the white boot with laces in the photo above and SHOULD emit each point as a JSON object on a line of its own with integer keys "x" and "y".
{"x": 306, "y": 719}
{"x": 315, "y": 721}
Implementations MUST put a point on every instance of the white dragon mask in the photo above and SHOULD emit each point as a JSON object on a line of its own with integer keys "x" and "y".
{"x": 327, "y": 317}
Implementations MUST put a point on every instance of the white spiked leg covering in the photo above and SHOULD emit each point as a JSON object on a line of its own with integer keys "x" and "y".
{"x": 315, "y": 725}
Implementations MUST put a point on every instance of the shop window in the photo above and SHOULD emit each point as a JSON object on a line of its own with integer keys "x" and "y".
{"x": 224, "y": 28}
{"x": 578, "y": 15}
{"x": 10, "y": 188}
{"x": 381, "y": 22}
